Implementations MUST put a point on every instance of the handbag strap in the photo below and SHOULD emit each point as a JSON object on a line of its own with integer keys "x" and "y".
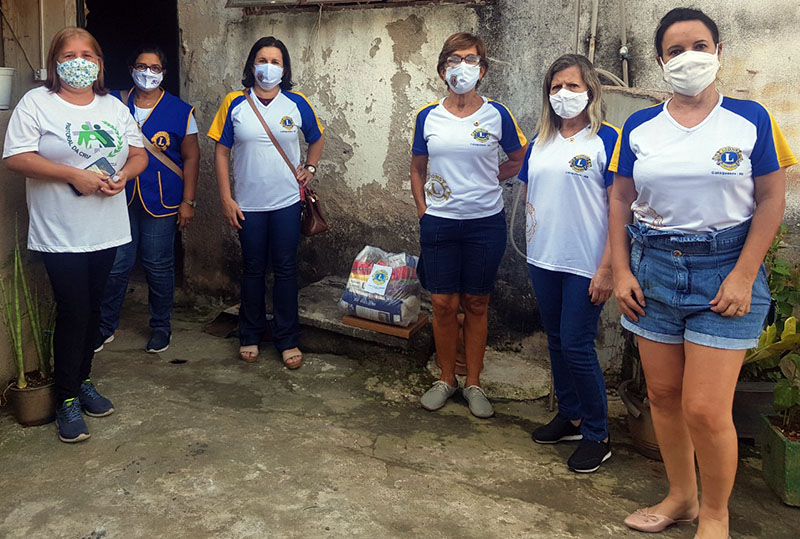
{"x": 150, "y": 147}
{"x": 269, "y": 132}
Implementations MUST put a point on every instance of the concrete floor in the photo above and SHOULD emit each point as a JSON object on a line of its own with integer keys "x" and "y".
{"x": 214, "y": 447}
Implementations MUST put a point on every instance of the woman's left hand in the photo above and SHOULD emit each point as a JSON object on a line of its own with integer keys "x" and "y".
{"x": 601, "y": 286}
{"x": 185, "y": 215}
{"x": 303, "y": 176}
{"x": 733, "y": 296}
{"x": 114, "y": 187}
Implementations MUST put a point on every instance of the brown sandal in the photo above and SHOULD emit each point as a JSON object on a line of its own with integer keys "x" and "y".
{"x": 249, "y": 353}
{"x": 292, "y": 358}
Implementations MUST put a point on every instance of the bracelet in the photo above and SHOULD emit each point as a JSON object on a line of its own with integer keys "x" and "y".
{"x": 191, "y": 203}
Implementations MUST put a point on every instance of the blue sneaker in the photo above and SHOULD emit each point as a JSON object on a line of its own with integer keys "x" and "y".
{"x": 92, "y": 402}
{"x": 159, "y": 341}
{"x": 71, "y": 426}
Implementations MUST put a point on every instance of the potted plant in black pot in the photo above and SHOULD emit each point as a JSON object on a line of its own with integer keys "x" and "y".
{"x": 31, "y": 393}
{"x": 780, "y": 440}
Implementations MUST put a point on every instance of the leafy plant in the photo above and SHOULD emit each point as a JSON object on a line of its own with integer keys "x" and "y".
{"x": 787, "y": 392}
{"x": 12, "y": 295}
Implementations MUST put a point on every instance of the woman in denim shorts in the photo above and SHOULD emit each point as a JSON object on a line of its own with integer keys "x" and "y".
{"x": 455, "y": 179}
{"x": 703, "y": 177}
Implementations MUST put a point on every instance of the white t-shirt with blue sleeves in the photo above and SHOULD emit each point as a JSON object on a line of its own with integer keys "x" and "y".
{"x": 261, "y": 179}
{"x": 463, "y": 158}
{"x": 702, "y": 178}
{"x": 566, "y": 212}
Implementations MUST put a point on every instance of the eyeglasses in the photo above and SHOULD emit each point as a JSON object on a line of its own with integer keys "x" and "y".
{"x": 155, "y": 68}
{"x": 471, "y": 60}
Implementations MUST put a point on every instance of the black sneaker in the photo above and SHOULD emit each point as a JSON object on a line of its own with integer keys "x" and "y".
{"x": 102, "y": 340}
{"x": 558, "y": 430}
{"x": 159, "y": 341}
{"x": 589, "y": 456}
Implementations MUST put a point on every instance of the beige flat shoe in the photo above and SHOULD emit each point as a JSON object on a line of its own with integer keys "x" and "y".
{"x": 249, "y": 353}
{"x": 644, "y": 521}
{"x": 292, "y": 358}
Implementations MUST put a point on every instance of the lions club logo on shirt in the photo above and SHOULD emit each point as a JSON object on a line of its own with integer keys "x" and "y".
{"x": 728, "y": 157}
{"x": 437, "y": 190}
{"x": 580, "y": 163}
{"x": 160, "y": 140}
{"x": 481, "y": 135}
{"x": 287, "y": 122}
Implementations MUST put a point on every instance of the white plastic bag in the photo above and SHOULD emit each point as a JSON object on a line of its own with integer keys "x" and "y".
{"x": 383, "y": 287}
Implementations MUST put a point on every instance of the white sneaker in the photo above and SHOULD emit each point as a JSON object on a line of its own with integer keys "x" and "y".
{"x": 437, "y": 395}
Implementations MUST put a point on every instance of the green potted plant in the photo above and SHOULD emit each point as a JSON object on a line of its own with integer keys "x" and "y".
{"x": 780, "y": 441}
{"x": 31, "y": 393}
{"x": 760, "y": 371}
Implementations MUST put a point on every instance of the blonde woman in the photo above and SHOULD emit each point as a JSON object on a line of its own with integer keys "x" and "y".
{"x": 568, "y": 184}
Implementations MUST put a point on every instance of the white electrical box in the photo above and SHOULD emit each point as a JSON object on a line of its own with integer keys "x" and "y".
{"x": 40, "y": 75}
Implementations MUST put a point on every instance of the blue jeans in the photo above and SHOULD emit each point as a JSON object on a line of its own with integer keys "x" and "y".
{"x": 679, "y": 274}
{"x": 153, "y": 238}
{"x": 570, "y": 321}
{"x": 461, "y": 255}
{"x": 270, "y": 236}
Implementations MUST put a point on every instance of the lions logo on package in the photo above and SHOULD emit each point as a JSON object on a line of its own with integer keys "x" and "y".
{"x": 728, "y": 157}
{"x": 380, "y": 277}
{"x": 580, "y": 163}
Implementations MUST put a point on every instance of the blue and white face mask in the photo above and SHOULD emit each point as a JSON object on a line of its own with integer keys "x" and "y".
{"x": 268, "y": 76}
{"x": 146, "y": 80}
{"x": 78, "y": 72}
{"x": 463, "y": 77}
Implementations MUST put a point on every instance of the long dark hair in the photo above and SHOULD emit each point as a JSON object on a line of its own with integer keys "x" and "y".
{"x": 680, "y": 14}
{"x": 249, "y": 79}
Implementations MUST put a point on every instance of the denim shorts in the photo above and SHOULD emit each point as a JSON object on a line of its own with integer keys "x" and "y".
{"x": 679, "y": 274}
{"x": 461, "y": 255}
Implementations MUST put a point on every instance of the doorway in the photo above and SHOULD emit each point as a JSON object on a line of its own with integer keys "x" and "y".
{"x": 122, "y": 26}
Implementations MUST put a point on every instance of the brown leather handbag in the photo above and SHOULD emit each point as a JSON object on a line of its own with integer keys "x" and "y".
{"x": 312, "y": 221}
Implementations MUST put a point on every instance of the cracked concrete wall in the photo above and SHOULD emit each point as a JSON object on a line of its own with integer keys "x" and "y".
{"x": 368, "y": 70}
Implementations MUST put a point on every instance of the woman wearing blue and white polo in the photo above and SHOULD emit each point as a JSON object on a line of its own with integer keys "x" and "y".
{"x": 455, "y": 179}
{"x": 567, "y": 177}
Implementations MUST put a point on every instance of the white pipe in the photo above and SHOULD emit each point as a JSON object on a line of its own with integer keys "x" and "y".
{"x": 623, "y": 36}
{"x": 593, "y": 33}
{"x": 41, "y": 34}
{"x": 577, "y": 24}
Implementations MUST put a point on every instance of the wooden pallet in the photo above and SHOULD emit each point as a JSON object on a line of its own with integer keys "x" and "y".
{"x": 387, "y": 329}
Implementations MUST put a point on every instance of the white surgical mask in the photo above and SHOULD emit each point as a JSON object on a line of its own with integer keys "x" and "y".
{"x": 691, "y": 72}
{"x": 268, "y": 76}
{"x": 462, "y": 78}
{"x": 569, "y": 104}
{"x": 146, "y": 80}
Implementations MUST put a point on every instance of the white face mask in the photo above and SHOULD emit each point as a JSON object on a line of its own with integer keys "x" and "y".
{"x": 462, "y": 78}
{"x": 691, "y": 72}
{"x": 146, "y": 80}
{"x": 268, "y": 76}
{"x": 569, "y": 104}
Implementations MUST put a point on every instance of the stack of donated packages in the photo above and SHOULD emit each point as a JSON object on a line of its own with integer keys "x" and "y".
{"x": 383, "y": 287}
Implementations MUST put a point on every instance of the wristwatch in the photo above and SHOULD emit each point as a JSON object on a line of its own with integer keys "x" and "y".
{"x": 191, "y": 203}
{"x": 311, "y": 168}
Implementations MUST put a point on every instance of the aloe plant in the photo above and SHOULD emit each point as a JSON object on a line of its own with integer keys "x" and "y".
{"x": 12, "y": 317}
{"x": 12, "y": 295}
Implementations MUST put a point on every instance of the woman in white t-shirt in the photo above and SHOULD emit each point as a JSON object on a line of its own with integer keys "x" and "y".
{"x": 567, "y": 177}
{"x": 78, "y": 147}
{"x": 455, "y": 180}
{"x": 703, "y": 177}
{"x": 265, "y": 203}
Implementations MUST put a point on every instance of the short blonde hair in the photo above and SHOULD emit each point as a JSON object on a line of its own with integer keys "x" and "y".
{"x": 53, "y": 82}
{"x": 549, "y": 121}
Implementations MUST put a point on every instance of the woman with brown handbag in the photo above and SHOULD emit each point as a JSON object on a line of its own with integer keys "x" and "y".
{"x": 265, "y": 207}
